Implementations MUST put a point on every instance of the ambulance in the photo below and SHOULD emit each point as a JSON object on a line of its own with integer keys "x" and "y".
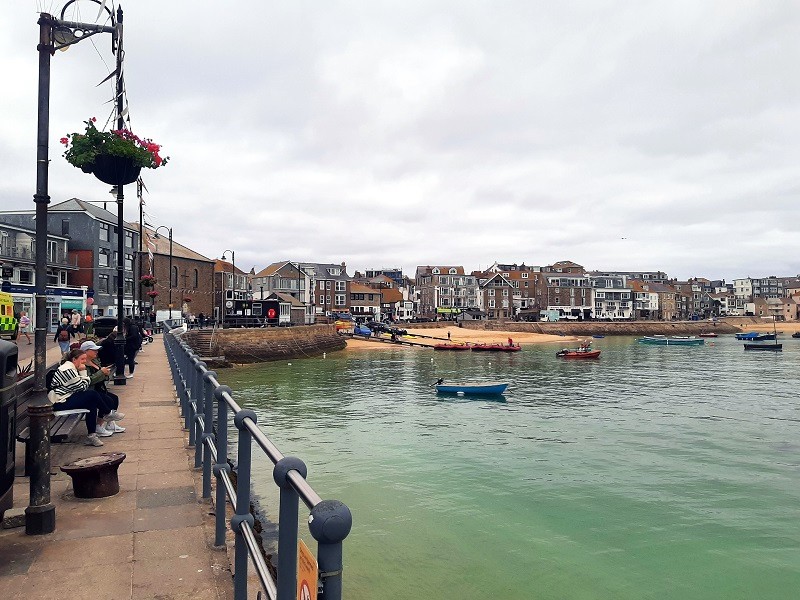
{"x": 9, "y": 325}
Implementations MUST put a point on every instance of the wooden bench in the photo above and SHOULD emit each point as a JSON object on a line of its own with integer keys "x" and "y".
{"x": 61, "y": 426}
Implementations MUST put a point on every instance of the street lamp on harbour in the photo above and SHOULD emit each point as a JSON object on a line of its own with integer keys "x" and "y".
{"x": 169, "y": 230}
{"x": 233, "y": 278}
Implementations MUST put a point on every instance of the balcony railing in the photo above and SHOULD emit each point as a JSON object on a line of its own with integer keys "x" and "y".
{"x": 26, "y": 254}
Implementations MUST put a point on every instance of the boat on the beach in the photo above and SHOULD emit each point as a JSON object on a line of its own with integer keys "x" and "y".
{"x": 449, "y": 346}
{"x": 707, "y": 334}
{"x": 598, "y": 336}
{"x": 662, "y": 340}
{"x": 478, "y": 388}
{"x": 796, "y": 334}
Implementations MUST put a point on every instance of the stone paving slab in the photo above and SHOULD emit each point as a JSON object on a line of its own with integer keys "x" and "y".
{"x": 151, "y": 540}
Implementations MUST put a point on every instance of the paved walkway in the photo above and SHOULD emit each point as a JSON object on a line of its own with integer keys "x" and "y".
{"x": 152, "y": 540}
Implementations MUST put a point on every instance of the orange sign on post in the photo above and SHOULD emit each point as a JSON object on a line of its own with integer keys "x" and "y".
{"x": 306, "y": 573}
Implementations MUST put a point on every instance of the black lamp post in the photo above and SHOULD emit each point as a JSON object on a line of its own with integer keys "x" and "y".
{"x": 233, "y": 268}
{"x": 169, "y": 230}
{"x": 54, "y": 34}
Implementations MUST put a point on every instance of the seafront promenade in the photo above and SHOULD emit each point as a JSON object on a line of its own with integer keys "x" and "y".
{"x": 151, "y": 540}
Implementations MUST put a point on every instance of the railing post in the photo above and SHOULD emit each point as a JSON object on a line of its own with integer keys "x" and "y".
{"x": 208, "y": 430}
{"x": 187, "y": 412}
{"x": 222, "y": 463}
{"x": 199, "y": 397}
{"x": 330, "y": 522}
{"x": 242, "y": 502}
{"x": 287, "y": 525}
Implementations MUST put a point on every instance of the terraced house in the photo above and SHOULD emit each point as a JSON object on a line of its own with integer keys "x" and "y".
{"x": 444, "y": 291}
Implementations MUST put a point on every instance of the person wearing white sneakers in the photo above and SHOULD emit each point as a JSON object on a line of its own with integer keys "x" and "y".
{"x": 98, "y": 376}
{"x": 69, "y": 388}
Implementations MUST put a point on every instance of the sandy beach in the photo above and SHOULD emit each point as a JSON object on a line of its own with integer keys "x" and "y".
{"x": 459, "y": 335}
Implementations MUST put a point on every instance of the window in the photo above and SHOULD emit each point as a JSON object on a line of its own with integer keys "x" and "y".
{"x": 102, "y": 283}
{"x": 103, "y": 257}
{"x": 341, "y": 286}
{"x": 52, "y": 278}
{"x": 52, "y": 251}
{"x": 328, "y": 286}
{"x": 491, "y": 292}
{"x": 453, "y": 271}
{"x": 129, "y": 239}
{"x": 436, "y": 271}
{"x": 196, "y": 279}
{"x": 340, "y": 300}
{"x": 104, "y": 233}
{"x": 129, "y": 262}
{"x": 491, "y": 303}
{"x": 128, "y": 286}
{"x": 524, "y": 275}
{"x": 505, "y": 292}
{"x": 25, "y": 276}
{"x": 322, "y": 299}
{"x": 65, "y": 227}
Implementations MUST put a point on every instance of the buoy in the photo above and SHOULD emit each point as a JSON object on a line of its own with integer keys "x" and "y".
{"x": 290, "y": 364}
{"x": 324, "y": 355}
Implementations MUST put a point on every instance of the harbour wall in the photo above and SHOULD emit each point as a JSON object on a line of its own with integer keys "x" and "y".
{"x": 246, "y": 345}
{"x": 587, "y": 328}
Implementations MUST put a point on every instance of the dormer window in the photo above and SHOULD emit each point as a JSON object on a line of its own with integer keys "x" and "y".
{"x": 453, "y": 271}
{"x": 436, "y": 271}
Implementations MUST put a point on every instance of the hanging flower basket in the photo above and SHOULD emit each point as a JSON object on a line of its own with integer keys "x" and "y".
{"x": 115, "y": 157}
{"x": 147, "y": 280}
{"x": 152, "y": 293}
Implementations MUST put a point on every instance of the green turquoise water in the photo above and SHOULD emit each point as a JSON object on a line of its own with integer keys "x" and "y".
{"x": 654, "y": 472}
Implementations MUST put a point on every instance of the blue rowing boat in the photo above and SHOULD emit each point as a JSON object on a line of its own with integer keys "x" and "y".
{"x": 662, "y": 340}
{"x": 484, "y": 388}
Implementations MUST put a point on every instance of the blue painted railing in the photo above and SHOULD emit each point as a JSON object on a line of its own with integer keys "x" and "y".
{"x": 329, "y": 521}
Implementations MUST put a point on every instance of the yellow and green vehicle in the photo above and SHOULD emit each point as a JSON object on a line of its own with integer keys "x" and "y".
{"x": 9, "y": 325}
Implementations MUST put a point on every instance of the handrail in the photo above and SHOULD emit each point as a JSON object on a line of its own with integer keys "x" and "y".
{"x": 329, "y": 521}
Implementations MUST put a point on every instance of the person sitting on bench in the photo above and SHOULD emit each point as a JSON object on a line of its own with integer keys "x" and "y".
{"x": 98, "y": 375}
{"x": 70, "y": 389}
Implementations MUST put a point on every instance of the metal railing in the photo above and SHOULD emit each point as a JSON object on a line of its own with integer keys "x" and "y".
{"x": 329, "y": 521}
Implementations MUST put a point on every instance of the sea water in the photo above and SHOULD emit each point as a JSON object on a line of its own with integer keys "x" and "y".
{"x": 653, "y": 472}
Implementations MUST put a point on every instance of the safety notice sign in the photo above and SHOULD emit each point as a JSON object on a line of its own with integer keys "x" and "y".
{"x": 306, "y": 573}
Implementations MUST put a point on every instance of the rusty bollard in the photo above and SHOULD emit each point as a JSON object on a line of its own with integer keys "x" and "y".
{"x": 40, "y": 515}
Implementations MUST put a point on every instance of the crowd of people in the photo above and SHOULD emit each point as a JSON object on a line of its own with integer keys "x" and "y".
{"x": 79, "y": 382}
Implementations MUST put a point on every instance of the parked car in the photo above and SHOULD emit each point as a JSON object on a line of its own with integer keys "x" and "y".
{"x": 104, "y": 325}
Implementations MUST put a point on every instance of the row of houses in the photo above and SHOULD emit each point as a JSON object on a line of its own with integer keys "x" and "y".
{"x": 84, "y": 268}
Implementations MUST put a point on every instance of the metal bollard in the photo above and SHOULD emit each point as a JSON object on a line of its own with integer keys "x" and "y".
{"x": 40, "y": 514}
{"x": 330, "y": 522}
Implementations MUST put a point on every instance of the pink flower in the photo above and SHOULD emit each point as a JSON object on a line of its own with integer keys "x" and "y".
{"x": 64, "y": 141}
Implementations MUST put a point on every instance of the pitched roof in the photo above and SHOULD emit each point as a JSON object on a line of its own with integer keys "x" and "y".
{"x": 160, "y": 245}
{"x": 223, "y": 266}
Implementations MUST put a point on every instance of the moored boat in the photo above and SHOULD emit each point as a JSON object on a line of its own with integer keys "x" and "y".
{"x": 765, "y": 347}
{"x": 578, "y": 353}
{"x": 662, "y": 340}
{"x": 707, "y": 334}
{"x": 796, "y": 334}
{"x": 479, "y": 388}
{"x": 448, "y": 346}
{"x": 750, "y": 335}
{"x": 495, "y": 348}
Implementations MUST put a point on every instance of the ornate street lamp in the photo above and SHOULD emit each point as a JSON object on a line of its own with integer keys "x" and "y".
{"x": 233, "y": 267}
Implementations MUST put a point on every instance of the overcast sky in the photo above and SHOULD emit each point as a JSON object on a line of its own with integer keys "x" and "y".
{"x": 642, "y": 135}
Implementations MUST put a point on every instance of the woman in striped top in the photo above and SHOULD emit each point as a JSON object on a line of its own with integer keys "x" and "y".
{"x": 70, "y": 389}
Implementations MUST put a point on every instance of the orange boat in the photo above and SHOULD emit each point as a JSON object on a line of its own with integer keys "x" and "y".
{"x": 495, "y": 348}
{"x": 578, "y": 353}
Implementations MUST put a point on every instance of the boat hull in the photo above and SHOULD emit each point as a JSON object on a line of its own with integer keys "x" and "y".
{"x": 452, "y": 347}
{"x": 578, "y": 355}
{"x": 665, "y": 341}
{"x": 765, "y": 347}
{"x": 495, "y": 348}
{"x": 481, "y": 389}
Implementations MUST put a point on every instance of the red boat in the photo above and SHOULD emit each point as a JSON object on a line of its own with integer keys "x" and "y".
{"x": 578, "y": 353}
{"x": 451, "y": 347}
{"x": 495, "y": 348}
{"x": 707, "y": 334}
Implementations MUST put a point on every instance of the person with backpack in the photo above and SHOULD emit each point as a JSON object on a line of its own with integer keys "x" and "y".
{"x": 63, "y": 335}
{"x": 69, "y": 389}
{"x": 133, "y": 341}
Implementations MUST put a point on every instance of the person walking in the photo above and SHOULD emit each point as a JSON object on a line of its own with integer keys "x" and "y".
{"x": 75, "y": 322}
{"x": 133, "y": 341}
{"x": 63, "y": 335}
{"x": 25, "y": 325}
{"x": 89, "y": 323}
